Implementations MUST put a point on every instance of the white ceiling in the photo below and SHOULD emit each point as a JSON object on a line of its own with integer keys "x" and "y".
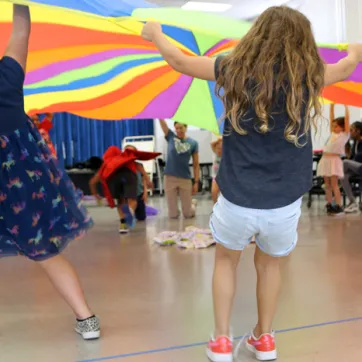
{"x": 179, "y": 3}
{"x": 241, "y": 9}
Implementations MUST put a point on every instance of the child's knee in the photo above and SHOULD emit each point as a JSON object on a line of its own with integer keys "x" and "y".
{"x": 264, "y": 261}
{"x": 227, "y": 255}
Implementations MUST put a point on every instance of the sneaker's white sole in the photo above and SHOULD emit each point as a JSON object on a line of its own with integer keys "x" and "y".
{"x": 89, "y": 335}
{"x": 219, "y": 357}
{"x": 262, "y": 356}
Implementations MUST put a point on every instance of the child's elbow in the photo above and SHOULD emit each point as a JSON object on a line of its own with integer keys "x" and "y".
{"x": 179, "y": 63}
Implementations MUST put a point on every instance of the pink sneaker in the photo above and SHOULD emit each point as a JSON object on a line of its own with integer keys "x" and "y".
{"x": 263, "y": 347}
{"x": 220, "y": 349}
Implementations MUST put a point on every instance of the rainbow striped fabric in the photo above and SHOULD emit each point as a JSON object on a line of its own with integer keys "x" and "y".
{"x": 86, "y": 57}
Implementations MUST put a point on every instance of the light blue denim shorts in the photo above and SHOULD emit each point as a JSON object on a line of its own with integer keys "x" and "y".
{"x": 275, "y": 230}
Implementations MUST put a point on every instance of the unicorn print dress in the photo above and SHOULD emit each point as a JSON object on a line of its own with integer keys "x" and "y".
{"x": 40, "y": 211}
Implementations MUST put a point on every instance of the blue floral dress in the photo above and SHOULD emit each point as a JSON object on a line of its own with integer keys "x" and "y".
{"x": 40, "y": 210}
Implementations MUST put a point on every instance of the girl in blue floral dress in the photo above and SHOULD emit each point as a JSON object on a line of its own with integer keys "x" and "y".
{"x": 40, "y": 211}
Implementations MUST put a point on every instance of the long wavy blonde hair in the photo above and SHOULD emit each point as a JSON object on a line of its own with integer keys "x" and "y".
{"x": 277, "y": 56}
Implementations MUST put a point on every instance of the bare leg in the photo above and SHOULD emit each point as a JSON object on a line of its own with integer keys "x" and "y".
{"x": 65, "y": 280}
{"x": 267, "y": 290}
{"x": 132, "y": 204}
{"x": 119, "y": 209}
{"x": 328, "y": 190}
{"x": 215, "y": 191}
{"x": 224, "y": 286}
{"x": 336, "y": 190}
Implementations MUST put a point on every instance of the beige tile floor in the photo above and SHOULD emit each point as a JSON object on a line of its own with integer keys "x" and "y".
{"x": 155, "y": 303}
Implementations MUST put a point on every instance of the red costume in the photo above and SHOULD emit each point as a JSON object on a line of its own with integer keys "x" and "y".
{"x": 44, "y": 128}
{"x": 114, "y": 159}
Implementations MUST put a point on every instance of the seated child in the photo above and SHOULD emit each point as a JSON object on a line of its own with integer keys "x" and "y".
{"x": 118, "y": 176}
{"x": 216, "y": 147}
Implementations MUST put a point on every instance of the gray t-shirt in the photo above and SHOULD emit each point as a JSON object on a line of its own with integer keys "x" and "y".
{"x": 178, "y": 155}
{"x": 264, "y": 171}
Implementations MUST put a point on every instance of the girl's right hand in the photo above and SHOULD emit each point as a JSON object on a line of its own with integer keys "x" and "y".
{"x": 355, "y": 50}
{"x": 150, "y": 29}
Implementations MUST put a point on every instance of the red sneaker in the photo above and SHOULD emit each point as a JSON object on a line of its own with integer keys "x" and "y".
{"x": 220, "y": 349}
{"x": 263, "y": 347}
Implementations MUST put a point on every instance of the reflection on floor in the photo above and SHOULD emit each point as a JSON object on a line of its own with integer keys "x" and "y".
{"x": 157, "y": 300}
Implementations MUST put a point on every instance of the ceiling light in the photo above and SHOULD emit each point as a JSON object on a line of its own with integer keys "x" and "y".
{"x": 201, "y": 6}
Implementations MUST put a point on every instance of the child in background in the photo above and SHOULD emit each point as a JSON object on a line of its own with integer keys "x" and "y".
{"x": 44, "y": 128}
{"x": 118, "y": 176}
{"x": 270, "y": 85}
{"x": 216, "y": 147}
{"x": 36, "y": 120}
{"x": 331, "y": 166}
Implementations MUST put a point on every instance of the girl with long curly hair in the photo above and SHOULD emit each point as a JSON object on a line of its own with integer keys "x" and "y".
{"x": 270, "y": 85}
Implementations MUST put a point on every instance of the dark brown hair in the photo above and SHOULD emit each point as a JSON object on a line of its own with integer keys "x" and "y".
{"x": 340, "y": 122}
{"x": 182, "y": 124}
{"x": 278, "y": 54}
{"x": 358, "y": 126}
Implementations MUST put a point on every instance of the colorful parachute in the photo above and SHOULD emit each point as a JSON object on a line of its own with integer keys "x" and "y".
{"x": 87, "y": 58}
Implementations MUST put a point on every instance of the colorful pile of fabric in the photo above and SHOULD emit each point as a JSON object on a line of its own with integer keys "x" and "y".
{"x": 191, "y": 238}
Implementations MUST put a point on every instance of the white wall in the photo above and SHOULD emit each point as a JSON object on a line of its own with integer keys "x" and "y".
{"x": 353, "y": 12}
{"x": 327, "y": 18}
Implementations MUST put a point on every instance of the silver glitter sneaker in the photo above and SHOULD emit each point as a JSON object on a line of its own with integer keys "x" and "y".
{"x": 89, "y": 328}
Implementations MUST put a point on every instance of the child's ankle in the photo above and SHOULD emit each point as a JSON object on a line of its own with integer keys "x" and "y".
{"x": 258, "y": 332}
{"x": 222, "y": 333}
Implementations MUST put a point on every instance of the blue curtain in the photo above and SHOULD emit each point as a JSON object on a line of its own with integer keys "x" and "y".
{"x": 78, "y": 139}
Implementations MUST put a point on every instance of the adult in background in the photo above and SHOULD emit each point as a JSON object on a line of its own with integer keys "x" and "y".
{"x": 353, "y": 165}
{"x": 177, "y": 181}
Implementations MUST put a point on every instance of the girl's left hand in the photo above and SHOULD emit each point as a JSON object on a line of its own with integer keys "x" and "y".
{"x": 150, "y": 29}
{"x": 195, "y": 188}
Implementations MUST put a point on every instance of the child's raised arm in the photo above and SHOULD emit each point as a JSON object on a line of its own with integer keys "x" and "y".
{"x": 18, "y": 44}
{"x": 331, "y": 116}
{"x": 194, "y": 66}
{"x": 346, "y": 119}
{"x": 340, "y": 71}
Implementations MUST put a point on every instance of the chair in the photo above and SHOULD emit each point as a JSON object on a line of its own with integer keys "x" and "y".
{"x": 317, "y": 188}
